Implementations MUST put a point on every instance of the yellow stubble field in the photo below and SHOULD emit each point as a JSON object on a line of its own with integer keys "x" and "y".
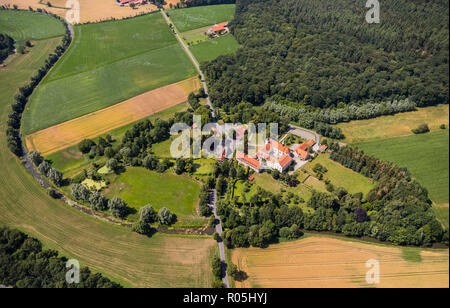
{"x": 90, "y": 11}
{"x": 319, "y": 261}
{"x": 70, "y": 133}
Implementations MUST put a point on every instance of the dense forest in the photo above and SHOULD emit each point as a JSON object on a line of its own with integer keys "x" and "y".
{"x": 323, "y": 54}
{"x": 397, "y": 209}
{"x": 24, "y": 264}
{"x": 6, "y": 46}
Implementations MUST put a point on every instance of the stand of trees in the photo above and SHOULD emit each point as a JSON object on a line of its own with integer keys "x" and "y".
{"x": 6, "y": 46}
{"x": 24, "y": 264}
{"x": 324, "y": 54}
{"x": 397, "y": 209}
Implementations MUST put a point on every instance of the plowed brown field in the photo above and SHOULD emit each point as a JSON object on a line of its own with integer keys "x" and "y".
{"x": 319, "y": 261}
{"x": 70, "y": 133}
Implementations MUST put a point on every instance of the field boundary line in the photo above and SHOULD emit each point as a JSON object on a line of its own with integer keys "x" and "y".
{"x": 131, "y": 117}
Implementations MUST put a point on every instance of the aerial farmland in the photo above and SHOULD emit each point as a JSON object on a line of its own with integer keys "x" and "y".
{"x": 121, "y": 125}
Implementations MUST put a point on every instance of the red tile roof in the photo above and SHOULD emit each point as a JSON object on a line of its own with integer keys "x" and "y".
{"x": 302, "y": 147}
{"x": 302, "y": 153}
{"x": 284, "y": 161}
{"x": 220, "y": 26}
{"x": 279, "y": 146}
{"x": 310, "y": 143}
{"x": 248, "y": 160}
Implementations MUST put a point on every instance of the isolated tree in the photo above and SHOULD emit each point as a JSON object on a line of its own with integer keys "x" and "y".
{"x": 55, "y": 176}
{"x": 112, "y": 164}
{"x": 118, "y": 207}
{"x": 98, "y": 201}
{"x": 80, "y": 192}
{"x": 44, "y": 168}
{"x": 165, "y": 217}
{"x": 141, "y": 227}
{"x": 147, "y": 214}
{"x": 35, "y": 157}
{"x": 85, "y": 146}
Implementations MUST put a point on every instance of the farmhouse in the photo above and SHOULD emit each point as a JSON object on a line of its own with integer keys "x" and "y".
{"x": 129, "y": 2}
{"x": 218, "y": 29}
{"x": 245, "y": 160}
{"x": 302, "y": 154}
{"x": 322, "y": 148}
{"x": 301, "y": 150}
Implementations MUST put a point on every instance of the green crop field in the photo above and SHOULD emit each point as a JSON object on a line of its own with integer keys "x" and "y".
{"x": 21, "y": 27}
{"x": 124, "y": 256}
{"x": 139, "y": 187}
{"x": 201, "y": 16}
{"x": 426, "y": 156}
{"x": 70, "y": 161}
{"x": 211, "y": 49}
{"x": 107, "y": 63}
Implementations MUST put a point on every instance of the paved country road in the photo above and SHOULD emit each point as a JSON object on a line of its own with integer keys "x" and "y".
{"x": 219, "y": 230}
{"x": 186, "y": 48}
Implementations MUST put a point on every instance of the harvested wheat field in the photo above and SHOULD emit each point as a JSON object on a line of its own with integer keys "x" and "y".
{"x": 318, "y": 261}
{"x": 70, "y": 133}
{"x": 90, "y": 11}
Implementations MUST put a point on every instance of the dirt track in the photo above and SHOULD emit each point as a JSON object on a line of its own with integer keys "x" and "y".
{"x": 70, "y": 133}
{"x": 319, "y": 261}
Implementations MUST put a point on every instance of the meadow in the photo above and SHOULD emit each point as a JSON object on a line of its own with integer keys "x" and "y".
{"x": 201, "y": 16}
{"x": 141, "y": 55}
{"x": 319, "y": 261}
{"x": 126, "y": 257}
{"x": 394, "y": 125}
{"x": 426, "y": 156}
{"x": 340, "y": 176}
{"x": 139, "y": 187}
{"x": 211, "y": 49}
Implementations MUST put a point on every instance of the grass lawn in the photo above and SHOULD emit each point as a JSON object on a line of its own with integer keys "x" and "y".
{"x": 201, "y": 16}
{"x": 211, "y": 49}
{"x": 23, "y": 26}
{"x": 126, "y": 257}
{"x": 394, "y": 125}
{"x": 267, "y": 182}
{"x": 340, "y": 176}
{"x": 195, "y": 36}
{"x": 204, "y": 166}
{"x": 139, "y": 187}
{"x": 107, "y": 63}
{"x": 426, "y": 156}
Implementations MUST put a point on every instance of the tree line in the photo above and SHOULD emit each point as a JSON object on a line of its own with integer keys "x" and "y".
{"x": 24, "y": 264}
{"x": 324, "y": 54}
{"x": 21, "y": 99}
